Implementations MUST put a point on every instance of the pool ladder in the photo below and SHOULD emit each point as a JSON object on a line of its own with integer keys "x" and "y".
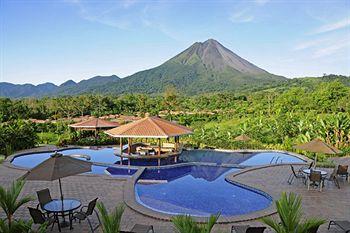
{"x": 275, "y": 159}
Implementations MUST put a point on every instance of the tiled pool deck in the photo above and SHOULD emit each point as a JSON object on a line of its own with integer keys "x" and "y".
{"x": 332, "y": 203}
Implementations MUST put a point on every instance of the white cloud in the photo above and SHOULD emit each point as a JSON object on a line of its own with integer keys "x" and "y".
{"x": 309, "y": 44}
{"x": 341, "y": 45}
{"x": 333, "y": 26}
{"x": 242, "y": 16}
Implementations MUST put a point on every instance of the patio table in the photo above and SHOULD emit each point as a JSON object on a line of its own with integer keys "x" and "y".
{"x": 60, "y": 208}
{"x": 308, "y": 171}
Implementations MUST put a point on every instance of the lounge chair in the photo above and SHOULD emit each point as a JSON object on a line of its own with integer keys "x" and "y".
{"x": 316, "y": 178}
{"x": 139, "y": 228}
{"x": 333, "y": 178}
{"x": 298, "y": 175}
{"x": 85, "y": 214}
{"x": 40, "y": 218}
{"x": 343, "y": 171}
{"x": 247, "y": 229}
{"x": 344, "y": 225}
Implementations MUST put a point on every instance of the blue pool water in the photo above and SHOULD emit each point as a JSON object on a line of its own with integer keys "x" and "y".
{"x": 104, "y": 155}
{"x": 197, "y": 190}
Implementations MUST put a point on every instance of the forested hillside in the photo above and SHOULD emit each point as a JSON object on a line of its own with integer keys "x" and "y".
{"x": 277, "y": 117}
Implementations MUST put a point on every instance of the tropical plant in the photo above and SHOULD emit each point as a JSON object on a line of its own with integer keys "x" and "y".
{"x": 290, "y": 216}
{"x": 21, "y": 226}
{"x": 111, "y": 221}
{"x": 9, "y": 201}
{"x": 186, "y": 224}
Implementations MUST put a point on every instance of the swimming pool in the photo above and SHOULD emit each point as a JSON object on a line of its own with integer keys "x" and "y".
{"x": 197, "y": 190}
{"x": 196, "y": 185}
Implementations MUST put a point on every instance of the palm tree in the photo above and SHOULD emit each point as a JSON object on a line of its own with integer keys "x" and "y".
{"x": 111, "y": 221}
{"x": 9, "y": 200}
{"x": 186, "y": 224}
{"x": 290, "y": 214}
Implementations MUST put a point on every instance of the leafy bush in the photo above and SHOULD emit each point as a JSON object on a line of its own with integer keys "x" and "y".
{"x": 16, "y": 135}
{"x": 290, "y": 216}
{"x": 186, "y": 224}
{"x": 111, "y": 221}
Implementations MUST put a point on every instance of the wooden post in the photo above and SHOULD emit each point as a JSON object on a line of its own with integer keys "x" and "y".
{"x": 159, "y": 146}
{"x": 129, "y": 144}
{"x": 158, "y": 162}
{"x": 121, "y": 150}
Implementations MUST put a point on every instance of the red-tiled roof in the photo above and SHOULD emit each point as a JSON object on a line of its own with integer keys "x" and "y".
{"x": 149, "y": 127}
{"x": 95, "y": 123}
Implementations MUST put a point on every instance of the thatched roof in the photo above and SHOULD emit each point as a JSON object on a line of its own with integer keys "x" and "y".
{"x": 318, "y": 146}
{"x": 149, "y": 127}
{"x": 95, "y": 123}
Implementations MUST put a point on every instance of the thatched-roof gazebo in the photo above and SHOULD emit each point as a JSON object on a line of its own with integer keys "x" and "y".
{"x": 150, "y": 127}
{"x": 94, "y": 124}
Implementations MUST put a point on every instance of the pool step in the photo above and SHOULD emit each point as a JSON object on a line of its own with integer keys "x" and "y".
{"x": 141, "y": 181}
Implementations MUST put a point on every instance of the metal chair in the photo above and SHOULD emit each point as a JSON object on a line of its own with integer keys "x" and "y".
{"x": 333, "y": 178}
{"x": 44, "y": 197}
{"x": 298, "y": 175}
{"x": 247, "y": 229}
{"x": 85, "y": 214}
{"x": 39, "y": 218}
{"x": 343, "y": 171}
{"x": 316, "y": 178}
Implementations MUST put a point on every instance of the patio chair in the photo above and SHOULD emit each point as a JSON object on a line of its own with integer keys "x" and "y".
{"x": 40, "y": 218}
{"x": 85, "y": 214}
{"x": 298, "y": 175}
{"x": 333, "y": 178}
{"x": 313, "y": 229}
{"x": 316, "y": 178}
{"x": 344, "y": 225}
{"x": 343, "y": 171}
{"x": 308, "y": 167}
{"x": 247, "y": 229}
{"x": 139, "y": 228}
{"x": 44, "y": 197}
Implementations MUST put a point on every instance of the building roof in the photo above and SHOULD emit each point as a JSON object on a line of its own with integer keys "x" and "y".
{"x": 149, "y": 127}
{"x": 318, "y": 146}
{"x": 95, "y": 123}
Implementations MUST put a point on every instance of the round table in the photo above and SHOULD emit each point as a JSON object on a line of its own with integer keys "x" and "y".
{"x": 57, "y": 206}
{"x": 308, "y": 171}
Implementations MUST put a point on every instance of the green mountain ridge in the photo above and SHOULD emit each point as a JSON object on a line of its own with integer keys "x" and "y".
{"x": 204, "y": 67}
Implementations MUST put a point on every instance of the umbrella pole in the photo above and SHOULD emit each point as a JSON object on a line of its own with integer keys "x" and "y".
{"x": 315, "y": 160}
{"x": 59, "y": 181}
{"x": 64, "y": 223}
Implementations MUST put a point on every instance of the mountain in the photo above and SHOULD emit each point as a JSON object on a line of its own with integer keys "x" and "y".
{"x": 203, "y": 67}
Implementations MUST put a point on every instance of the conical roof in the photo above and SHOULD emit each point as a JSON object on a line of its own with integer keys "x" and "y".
{"x": 57, "y": 167}
{"x": 318, "y": 146}
{"x": 149, "y": 127}
{"x": 243, "y": 138}
{"x": 95, "y": 123}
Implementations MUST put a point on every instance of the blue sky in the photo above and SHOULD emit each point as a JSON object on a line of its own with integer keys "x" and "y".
{"x": 53, "y": 41}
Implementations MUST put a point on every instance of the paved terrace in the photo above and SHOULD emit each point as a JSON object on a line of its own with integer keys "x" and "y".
{"x": 332, "y": 203}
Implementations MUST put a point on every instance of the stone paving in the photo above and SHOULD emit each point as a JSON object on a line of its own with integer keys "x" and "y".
{"x": 332, "y": 203}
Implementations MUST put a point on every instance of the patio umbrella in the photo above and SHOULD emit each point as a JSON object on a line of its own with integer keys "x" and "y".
{"x": 57, "y": 167}
{"x": 318, "y": 146}
{"x": 242, "y": 138}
